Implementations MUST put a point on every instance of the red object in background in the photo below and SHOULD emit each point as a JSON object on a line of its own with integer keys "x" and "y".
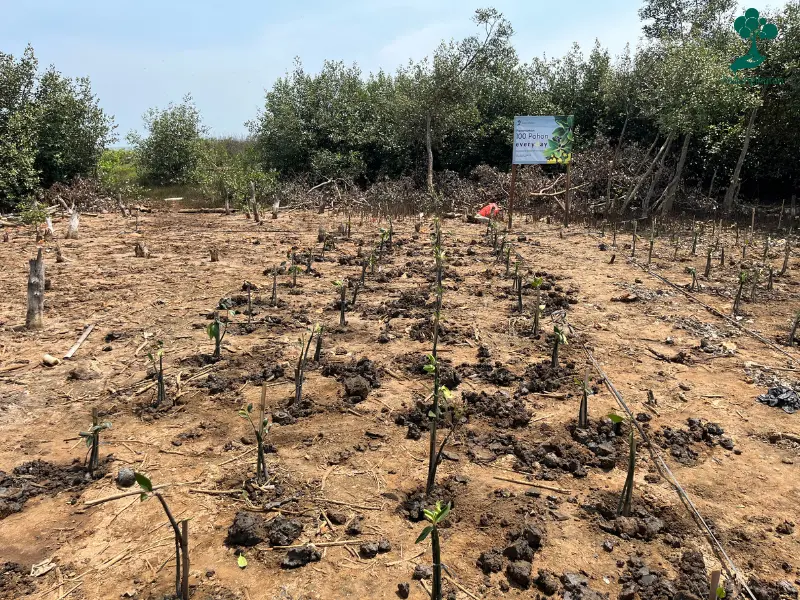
{"x": 490, "y": 210}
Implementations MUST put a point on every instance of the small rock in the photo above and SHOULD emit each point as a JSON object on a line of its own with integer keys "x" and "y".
{"x": 356, "y": 526}
{"x": 336, "y": 517}
{"x": 356, "y": 388}
{"x": 785, "y": 528}
{"x": 608, "y": 546}
{"x": 297, "y": 557}
{"x": 384, "y": 546}
{"x": 282, "y": 531}
{"x": 519, "y": 573}
{"x": 519, "y": 550}
{"x": 126, "y": 477}
{"x": 403, "y": 589}
{"x": 368, "y": 550}
{"x": 547, "y": 582}
{"x": 422, "y": 572}
{"x": 685, "y": 386}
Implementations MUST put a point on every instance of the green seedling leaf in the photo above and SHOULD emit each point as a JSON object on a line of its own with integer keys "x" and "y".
{"x": 241, "y": 561}
{"x": 425, "y": 533}
{"x": 144, "y": 482}
{"x": 429, "y": 369}
{"x": 721, "y": 592}
{"x": 615, "y": 418}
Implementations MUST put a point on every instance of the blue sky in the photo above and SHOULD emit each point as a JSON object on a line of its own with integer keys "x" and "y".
{"x": 148, "y": 53}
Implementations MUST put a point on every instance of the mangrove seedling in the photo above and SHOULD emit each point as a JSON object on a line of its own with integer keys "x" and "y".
{"x": 694, "y": 243}
{"x": 318, "y": 347}
{"x": 693, "y": 272}
{"x": 372, "y": 261}
{"x": 519, "y": 295}
{"x": 181, "y": 537}
{"x": 707, "y": 272}
{"x": 364, "y": 263}
{"x": 434, "y": 517}
{"x": 92, "y": 438}
{"x": 756, "y": 278}
{"x": 342, "y": 287}
{"x": 771, "y": 277}
{"x": 216, "y": 331}
{"x": 625, "y": 499}
{"x": 260, "y": 430}
{"x": 583, "y": 411}
{"x": 356, "y": 287}
{"x": 294, "y": 270}
{"x": 274, "y": 298}
{"x": 652, "y": 241}
{"x": 157, "y": 360}
{"x": 537, "y": 282}
{"x": 786, "y": 252}
{"x": 766, "y": 249}
{"x": 795, "y": 323}
{"x": 559, "y": 338}
{"x": 508, "y": 259}
{"x": 433, "y": 362}
{"x": 737, "y": 301}
{"x": 300, "y": 368}
{"x": 722, "y": 257}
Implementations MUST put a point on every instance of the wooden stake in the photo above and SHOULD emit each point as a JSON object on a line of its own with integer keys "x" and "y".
{"x": 567, "y": 194}
{"x": 712, "y": 592}
{"x": 80, "y": 341}
{"x": 185, "y": 558}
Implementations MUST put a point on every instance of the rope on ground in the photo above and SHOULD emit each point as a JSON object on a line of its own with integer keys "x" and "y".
{"x": 730, "y": 568}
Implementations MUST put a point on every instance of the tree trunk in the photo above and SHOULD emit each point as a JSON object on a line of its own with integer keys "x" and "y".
{"x": 646, "y": 174}
{"x": 730, "y": 193}
{"x": 429, "y": 151}
{"x": 613, "y": 164}
{"x": 72, "y": 228}
{"x": 669, "y": 193}
{"x": 654, "y": 182}
{"x": 33, "y": 320}
{"x": 256, "y": 215}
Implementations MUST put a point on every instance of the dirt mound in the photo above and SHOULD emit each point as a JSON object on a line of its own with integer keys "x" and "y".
{"x": 37, "y": 477}
{"x": 542, "y": 377}
{"x": 364, "y": 368}
{"x": 502, "y": 411}
{"x": 681, "y": 443}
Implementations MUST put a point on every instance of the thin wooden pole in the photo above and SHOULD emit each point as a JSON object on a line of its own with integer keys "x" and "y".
{"x": 185, "y": 559}
{"x": 566, "y": 195}
{"x": 511, "y": 195}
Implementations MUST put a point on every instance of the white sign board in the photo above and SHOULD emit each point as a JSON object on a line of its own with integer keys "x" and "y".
{"x": 542, "y": 140}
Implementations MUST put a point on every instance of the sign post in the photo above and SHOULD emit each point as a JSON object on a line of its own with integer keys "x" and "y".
{"x": 541, "y": 140}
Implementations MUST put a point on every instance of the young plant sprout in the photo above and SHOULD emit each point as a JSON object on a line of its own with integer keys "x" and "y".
{"x": 694, "y": 243}
{"x": 434, "y": 517}
{"x": 364, "y": 264}
{"x": 216, "y": 331}
{"x": 624, "y": 505}
{"x": 300, "y": 368}
{"x": 756, "y": 278}
{"x": 738, "y": 300}
{"x": 583, "y": 411}
{"x": 260, "y": 431}
{"x": 92, "y": 438}
{"x": 795, "y": 323}
{"x": 274, "y": 298}
{"x": 181, "y": 537}
{"x": 559, "y": 338}
{"x": 537, "y": 282}
{"x": 693, "y": 272}
{"x": 318, "y": 347}
{"x": 633, "y": 244}
{"x": 766, "y": 249}
{"x": 787, "y": 251}
{"x": 519, "y": 294}
{"x": 722, "y": 257}
{"x": 372, "y": 261}
{"x": 771, "y": 276}
{"x": 707, "y": 272}
{"x": 433, "y": 362}
{"x": 342, "y": 287}
{"x": 508, "y": 259}
{"x": 157, "y": 360}
{"x": 652, "y": 241}
{"x": 356, "y": 287}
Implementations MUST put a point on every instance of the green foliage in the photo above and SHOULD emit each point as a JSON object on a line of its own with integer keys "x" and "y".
{"x": 144, "y": 482}
{"x": 118, "y": 173}
{"x": 173, "y": 149}
{"x": 31, "y": 212}
{"x": 72, "y": 129}
{"x": 89, "y": 436}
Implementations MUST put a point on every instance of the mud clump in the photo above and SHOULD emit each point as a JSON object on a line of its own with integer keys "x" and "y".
{"x": 601, "y": 438}
{"x": 647, "y": 583}
{"x": 681, "y": 442}
{"x": 15, "y": 581}
{"x": 363, "y": 368}
{"x": 576, "y": 587}
{"x": 494, "y": 373}
{"x": 247, "y": 530}
{"x": 298, "y": 557}
{"x": 542, "y": 377}
{"x": 37, "y": 477}
{"x": 356, "y": 389}
{"x": 416, "y": 502}
{"x": 281, "y": 531}
{"x": 501, "y": 410}
{"x": 490, "y": 561}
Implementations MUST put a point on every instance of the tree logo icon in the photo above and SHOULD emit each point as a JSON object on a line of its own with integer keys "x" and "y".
{"x": 752, "y": 27}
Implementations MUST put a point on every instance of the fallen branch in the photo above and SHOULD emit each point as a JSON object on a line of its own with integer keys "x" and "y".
{"x": 340, "y": 503}
{"x": 531, "y": 484}
{"x": 134, "y": 493}
{"x": 80, "y": 341}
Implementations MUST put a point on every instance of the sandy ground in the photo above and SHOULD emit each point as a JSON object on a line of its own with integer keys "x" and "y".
{"x": 356, "y": 454}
